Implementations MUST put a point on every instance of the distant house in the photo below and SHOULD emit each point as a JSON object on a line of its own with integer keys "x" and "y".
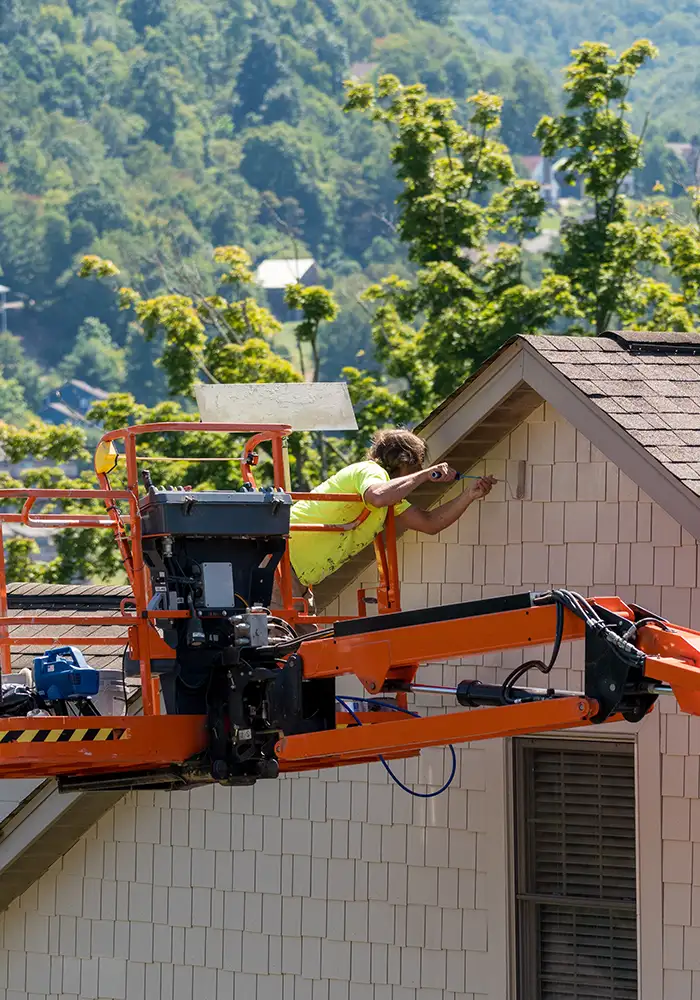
{"x": 44, "y": 537}
{"x": 70, "y": 402}
{"x": 5, "y": 305}
{"x": 539, "y": 168}
{"x": 274, "y": 274}
{"x": 552, "y": 179}
{"x": 361, "y": 70}
{"x": 689, "y": 154}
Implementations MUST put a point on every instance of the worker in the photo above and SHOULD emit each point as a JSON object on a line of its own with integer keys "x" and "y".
{"x": 392, "y": 471}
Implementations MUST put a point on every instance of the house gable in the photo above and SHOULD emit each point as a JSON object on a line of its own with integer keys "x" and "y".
{"x": 636, "y": 397}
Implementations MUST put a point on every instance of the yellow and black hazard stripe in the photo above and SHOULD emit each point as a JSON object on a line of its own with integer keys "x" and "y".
{"x": 61, "y": 735}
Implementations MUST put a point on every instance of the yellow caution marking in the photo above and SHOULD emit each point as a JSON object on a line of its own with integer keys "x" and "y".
{"x": 96, "y": 735}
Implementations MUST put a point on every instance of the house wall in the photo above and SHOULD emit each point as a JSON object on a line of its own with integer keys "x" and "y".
{"x": 338, "y": 885}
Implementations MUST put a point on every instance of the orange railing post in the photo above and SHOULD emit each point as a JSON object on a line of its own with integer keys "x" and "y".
{"x": 391, "y": 552}
{"x": 5, "y": 651}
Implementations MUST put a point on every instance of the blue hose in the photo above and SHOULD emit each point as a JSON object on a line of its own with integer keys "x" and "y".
{"x": 415, "y": 715}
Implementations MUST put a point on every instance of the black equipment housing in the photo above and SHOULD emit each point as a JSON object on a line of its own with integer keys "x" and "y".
{"x": 215, "y": 554}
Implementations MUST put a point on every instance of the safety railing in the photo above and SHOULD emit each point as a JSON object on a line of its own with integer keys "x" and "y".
{"x": 143, "y": 640}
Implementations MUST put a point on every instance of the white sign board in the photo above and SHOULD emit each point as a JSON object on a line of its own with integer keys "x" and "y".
{"x": 305, "y": 406}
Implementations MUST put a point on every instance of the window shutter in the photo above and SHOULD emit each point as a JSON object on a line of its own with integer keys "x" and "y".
{"x": 576, "y": 870}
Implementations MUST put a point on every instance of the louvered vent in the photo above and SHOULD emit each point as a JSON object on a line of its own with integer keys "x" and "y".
{"x": 576, "y": 871}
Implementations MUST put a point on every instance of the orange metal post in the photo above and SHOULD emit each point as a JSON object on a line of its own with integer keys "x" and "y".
{"x": 673, "y": 657}
{"x": 64, "y": 640}
{"x": 284, "y": 569}
{"x": 42, "y": 494}
{"x": 383, "y": 600}
{"x": 188, "y": 426}
{"x": 61, "y": 520}
{"x": 332, "y": 497}
{"x": 155, "y": 682}
{"x": 278, "y": 461}
{"x": 119, "y": 536}
{"x": 66, "y": 620}
{"x": 394, "y": 588}
{"x": 139, "y": 584}
{"x": 5, "y": 651}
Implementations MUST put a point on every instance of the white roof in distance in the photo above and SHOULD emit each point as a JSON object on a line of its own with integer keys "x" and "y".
{"x": 280, "y": 272}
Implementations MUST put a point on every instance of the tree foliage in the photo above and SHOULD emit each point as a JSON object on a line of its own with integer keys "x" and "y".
{"x": 146, "y": 133}
{"x": 459, "y": 189}
{"x": 613, "y": 256}
{"x": 95, "y": 357}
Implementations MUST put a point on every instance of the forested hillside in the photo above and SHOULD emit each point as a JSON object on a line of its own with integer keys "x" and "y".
{"x": 150, "y": 130}
{"x": 544, "y": 31}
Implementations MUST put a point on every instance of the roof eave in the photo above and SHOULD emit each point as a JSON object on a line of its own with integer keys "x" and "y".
{"x": 490, "y": 365}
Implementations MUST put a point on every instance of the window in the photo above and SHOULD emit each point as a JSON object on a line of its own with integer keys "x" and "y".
{"x": 575, "y": 870}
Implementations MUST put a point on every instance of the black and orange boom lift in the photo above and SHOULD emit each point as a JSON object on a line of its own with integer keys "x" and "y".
{"x": 248, "y": 693}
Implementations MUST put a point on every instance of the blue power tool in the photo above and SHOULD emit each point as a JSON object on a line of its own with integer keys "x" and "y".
{"x": 63, "y": 674}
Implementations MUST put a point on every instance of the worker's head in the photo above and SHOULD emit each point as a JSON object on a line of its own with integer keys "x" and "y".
{"x": 398, "y": 451}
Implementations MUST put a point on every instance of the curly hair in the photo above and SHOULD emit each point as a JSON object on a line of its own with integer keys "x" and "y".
{"x": 396, "y": 449}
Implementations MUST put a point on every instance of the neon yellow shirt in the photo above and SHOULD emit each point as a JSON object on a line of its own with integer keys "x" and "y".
{"x": 317, "y": 554}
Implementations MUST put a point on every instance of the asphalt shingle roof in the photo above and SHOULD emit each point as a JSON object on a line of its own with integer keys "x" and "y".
{"x": 39, "y": 600}
{"x": 649, "y": 383}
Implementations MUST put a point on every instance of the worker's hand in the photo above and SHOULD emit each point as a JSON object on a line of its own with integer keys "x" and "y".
{"x": 482, "y": 487}
{"x": 443, "y": 473}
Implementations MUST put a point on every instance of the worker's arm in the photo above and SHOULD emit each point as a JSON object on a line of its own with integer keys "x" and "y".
{"x": 396, "y": 490}
{"x": 432, "y": 522}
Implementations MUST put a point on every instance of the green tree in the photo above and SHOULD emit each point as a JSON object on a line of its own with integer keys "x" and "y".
{"x": 208, "y": 337}
{"x": 621, "y": 260}
{"x": 28, "y": 168}
{"x": 261, "y": 71}
{"x": 603, "y": 255}
{"x": 458, "y": 188}
{"x": 437, "y": 11}
{"x": 16, "y": 366}
{"x": 662, "y": 166}
{"x": 317, "y": 306}
{"x": 95, "y": 358}
{"x": 13, "y": 405}
{"x": 528, "y": 99}
{"x": 80, "y": 554}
